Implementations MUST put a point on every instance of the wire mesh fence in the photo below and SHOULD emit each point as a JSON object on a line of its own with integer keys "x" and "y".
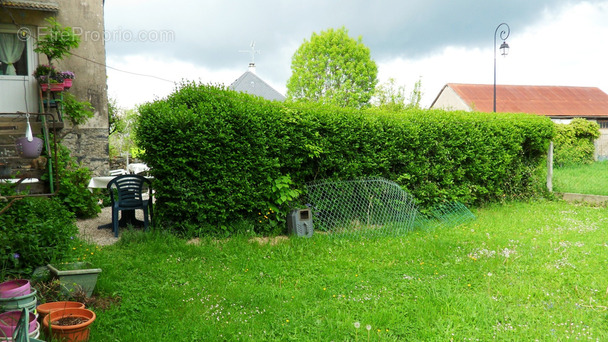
{"x": 375, "y": 207}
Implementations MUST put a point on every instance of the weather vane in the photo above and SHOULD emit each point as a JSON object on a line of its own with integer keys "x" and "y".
{"x": 253, "y": 51}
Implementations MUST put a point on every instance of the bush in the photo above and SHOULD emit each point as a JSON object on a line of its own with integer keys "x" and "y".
{"x": 220, "y": 156}
{"x": 36, "y": 231}
{"x": 73, "y": 190}
{"x": 574, "y": 142}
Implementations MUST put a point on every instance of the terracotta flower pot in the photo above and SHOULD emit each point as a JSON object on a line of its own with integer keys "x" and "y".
{"x": 73, "y": 333}
{"x": 46, "y": 308}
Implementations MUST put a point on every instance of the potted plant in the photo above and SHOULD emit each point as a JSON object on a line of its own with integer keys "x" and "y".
{"x": 49, "y": 78}
{"x": 47, "y": 308}
{"x": 68, "y": 78}
{"x": 56, "y": 44}
{"x": 44, "y": 71}
{"x": 76, "y": 276}
{"x": 69, "y": 324}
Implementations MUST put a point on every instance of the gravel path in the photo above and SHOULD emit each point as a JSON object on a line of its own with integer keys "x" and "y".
{"x": 89, "y": 232}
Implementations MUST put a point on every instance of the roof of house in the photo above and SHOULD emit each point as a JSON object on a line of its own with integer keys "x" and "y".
{"x": 40, "y": 5}
{"x": 250, "y": 83}
{"x": 543, "y": 100}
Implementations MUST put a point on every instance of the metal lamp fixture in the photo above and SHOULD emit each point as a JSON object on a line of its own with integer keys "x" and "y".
{"x": 504, "y": 50}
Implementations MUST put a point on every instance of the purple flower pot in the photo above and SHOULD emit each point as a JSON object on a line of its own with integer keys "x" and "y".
{"x": 29, "y": 149}
{"x": 9, "y": 321}
{"x": 15, "y": 288}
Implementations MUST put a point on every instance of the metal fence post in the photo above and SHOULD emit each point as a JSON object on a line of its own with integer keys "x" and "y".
{"x": 550, "y": 167}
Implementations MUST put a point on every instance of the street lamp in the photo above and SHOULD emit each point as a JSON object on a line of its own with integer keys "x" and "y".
{"x": 504, "y": 50}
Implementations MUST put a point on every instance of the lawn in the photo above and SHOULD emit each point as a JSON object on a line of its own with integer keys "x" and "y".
{"x": 582, "y": 179}
{"x": 521, "y": 271}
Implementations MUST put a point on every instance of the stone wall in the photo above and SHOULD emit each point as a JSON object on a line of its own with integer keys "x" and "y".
{"x": 88, "y": 142}
{"x": 90, "y": 147}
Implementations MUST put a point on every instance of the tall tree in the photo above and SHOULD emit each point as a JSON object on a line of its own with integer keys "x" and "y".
{"x": 333, "y": 68}
{"x": 390, "y": 96}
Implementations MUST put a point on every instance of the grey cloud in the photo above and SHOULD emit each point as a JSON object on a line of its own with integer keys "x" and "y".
{"x": 211, "y": 33}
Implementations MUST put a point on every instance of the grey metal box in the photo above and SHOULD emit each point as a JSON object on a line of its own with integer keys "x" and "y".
{"x": 299, "y": 222}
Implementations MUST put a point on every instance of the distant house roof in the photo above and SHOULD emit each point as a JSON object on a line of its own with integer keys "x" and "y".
{"x": 40, "y": 5}
{"x": 554, "y": 101}
{"x": 250, "y": 83}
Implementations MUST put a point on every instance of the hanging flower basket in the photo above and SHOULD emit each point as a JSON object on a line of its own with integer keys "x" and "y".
{"x": 29, "y": 149}
{"x": 67, "y": 83}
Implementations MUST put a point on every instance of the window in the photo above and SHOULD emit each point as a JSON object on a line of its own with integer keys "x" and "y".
{"x": 603, "y": 123}
{"x": 13, "y": 55}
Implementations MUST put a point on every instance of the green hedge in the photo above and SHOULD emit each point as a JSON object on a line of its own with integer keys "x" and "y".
{"x": 218, "y": 155}
{"x": 574, "y": 142}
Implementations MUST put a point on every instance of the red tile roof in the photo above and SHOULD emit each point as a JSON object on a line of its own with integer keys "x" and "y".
{"x": 543, "y": 100}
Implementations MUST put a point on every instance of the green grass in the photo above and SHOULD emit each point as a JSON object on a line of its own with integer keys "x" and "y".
{"x": 582, "y": 179}
{"x": 520, "y": 272}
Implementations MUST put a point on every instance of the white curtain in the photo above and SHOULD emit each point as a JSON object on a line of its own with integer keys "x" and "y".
{"x": 11, "y": 48}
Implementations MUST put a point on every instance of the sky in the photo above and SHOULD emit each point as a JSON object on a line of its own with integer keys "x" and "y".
{"x": 152, "y": 45}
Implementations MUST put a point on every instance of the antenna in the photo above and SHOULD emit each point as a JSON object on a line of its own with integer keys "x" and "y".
{"x": 253, "y": 52}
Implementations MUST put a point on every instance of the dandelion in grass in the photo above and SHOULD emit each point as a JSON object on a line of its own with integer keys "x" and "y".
{"x": 357, "y": 326}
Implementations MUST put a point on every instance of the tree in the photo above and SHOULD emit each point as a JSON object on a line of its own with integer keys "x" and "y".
{"x": 333, "y": 68}
{"x": 390, "y": 96}
{"x": 121, "y": 138}
{"x": 58, "y": 41}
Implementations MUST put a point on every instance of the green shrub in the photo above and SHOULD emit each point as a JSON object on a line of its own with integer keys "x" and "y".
{"x": 78, "y": 112}
{"x": 73, "y": 192}
{"x": 573, "y": 144}
{"x": 35, "y": 231}
{"x": 218, "y": 156}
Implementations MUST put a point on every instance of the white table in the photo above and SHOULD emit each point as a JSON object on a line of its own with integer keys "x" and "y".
{"x": 102, "y": 182}
{"x": 99, "y": 182}
{"x": 15, "y": 180}
{"x": 137, "y": 168}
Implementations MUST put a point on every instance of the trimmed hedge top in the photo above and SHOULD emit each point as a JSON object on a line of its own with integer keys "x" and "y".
{"x": 216, "y": 154}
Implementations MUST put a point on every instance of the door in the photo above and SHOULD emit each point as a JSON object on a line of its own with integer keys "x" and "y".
{"x": 18, "y": 88}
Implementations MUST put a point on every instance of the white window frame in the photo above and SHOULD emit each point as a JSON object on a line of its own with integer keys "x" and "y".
{"x": 20, "y": 89}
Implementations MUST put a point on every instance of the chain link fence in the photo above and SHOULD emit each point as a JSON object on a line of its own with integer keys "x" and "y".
{"x": 375, "y": 207}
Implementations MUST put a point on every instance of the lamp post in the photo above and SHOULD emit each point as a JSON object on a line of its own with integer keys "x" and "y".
{"x": 504, "y": 50}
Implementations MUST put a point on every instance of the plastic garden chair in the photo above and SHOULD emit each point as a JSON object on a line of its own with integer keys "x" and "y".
{"x": 126, "y": 194}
